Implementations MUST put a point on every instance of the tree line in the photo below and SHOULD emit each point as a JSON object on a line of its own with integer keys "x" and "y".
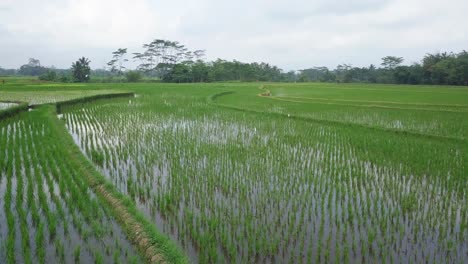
{"x": 80, "y": 71}
{"x": 439, "y": 68}
{"x": 171, "y": 61}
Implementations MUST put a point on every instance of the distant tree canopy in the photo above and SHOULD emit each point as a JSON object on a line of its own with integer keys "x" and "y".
{"x": 440, "y": 68}
{"x": 116, "y": 65}
{"x": 160, "y": 57}
{"x": 391, "y": 62}
{"x": 49, "y": 75}
{"x": 7, "y": 72}
{"x": 133, "y": 76}
{"x": 32, "y": 68}
{"x": 171, "y": 61}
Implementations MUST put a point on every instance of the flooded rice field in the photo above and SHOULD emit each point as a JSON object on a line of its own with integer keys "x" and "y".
{"x": 47, "y": 212}
{"x": 232, "y": 186}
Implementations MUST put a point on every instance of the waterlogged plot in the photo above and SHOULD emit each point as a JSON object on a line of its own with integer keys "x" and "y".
{"x": 48, "y": 214}
{"x": 45, "y": 96}
{"x": 234, "y": 186}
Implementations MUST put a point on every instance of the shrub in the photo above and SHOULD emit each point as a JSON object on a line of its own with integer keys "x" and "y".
{"x": 133, "y": 76}
{"x": 48, "y": 76}
{"x": 65, "y": 78}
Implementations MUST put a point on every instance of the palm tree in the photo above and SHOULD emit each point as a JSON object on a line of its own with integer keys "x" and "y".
{"x": 81, "y": 70}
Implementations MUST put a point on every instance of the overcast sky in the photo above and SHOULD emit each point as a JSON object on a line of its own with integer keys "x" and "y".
{"x": 292, "y": 34}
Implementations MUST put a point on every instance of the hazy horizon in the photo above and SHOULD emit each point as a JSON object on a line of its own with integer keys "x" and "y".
{"x": 292, "y": 35}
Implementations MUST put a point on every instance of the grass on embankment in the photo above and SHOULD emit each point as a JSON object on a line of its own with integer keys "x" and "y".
{"x": 13, "y": 110}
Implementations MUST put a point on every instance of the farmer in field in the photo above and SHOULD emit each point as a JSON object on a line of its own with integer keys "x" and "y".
{"x": 3, "y": 81}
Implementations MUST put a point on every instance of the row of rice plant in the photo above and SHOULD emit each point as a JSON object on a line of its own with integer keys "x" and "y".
{"x": 4, "y": 105}
{"x": 233, "y": 186}
{"x": 48, "y": 213}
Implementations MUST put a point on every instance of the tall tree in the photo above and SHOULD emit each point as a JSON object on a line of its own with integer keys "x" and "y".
{"x": 33, "y": 68}
{"x": 117, "y": 63}
{"x": 199, "y": 54}
{"x": 81, "y": 70}
{"x": 34, "y": 62}
{"x": 391, "y": 62}
{"x": 462, "y": 68}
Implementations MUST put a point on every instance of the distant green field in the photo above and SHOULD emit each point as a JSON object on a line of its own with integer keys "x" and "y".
{"x": 307, "y": 173}
{"x": 428, "y": 110}
{"x": 38, "y": 92}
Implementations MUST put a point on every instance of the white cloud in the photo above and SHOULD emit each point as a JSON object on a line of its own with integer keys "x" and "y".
{"x": 292, "y": 34}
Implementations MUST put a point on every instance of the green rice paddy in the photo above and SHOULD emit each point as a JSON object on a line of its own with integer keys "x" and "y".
{"x": 49, "y": 214}
{"x": 306, "y": 173}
